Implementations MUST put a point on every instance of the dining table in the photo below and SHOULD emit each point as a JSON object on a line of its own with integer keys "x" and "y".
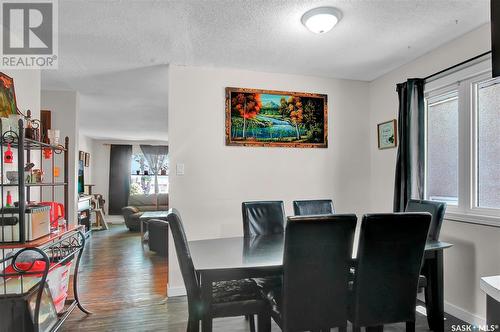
{"x": 260, "y": 256}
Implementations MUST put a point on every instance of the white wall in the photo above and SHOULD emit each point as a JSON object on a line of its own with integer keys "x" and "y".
{"x": 476, "y": 248}
{"x": 64, "y": 106}
{"x": 100, "y": 163}
{"x": 219, "y": 178}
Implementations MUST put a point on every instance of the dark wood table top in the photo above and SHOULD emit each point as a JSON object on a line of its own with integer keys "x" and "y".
{"x": 251, "y": 252}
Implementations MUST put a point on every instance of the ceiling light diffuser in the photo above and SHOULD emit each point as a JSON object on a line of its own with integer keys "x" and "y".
{"x": 321, "y": 19}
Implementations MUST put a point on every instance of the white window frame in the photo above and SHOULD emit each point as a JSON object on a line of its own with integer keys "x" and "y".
{"x": 465, "y": 81}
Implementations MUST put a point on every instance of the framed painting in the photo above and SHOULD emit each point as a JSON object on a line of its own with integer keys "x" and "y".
{"x": 276, "y": 118}
{"x": 8, "y": 104}
{"x": 387, "y": 134}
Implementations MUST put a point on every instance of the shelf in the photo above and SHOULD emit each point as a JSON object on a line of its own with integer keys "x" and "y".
{"x": 52, "y": 237}
{"x": 30, "y": 144}
{"x": 54, "y": 184}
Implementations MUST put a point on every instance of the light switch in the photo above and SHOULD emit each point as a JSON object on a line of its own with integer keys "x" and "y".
{"x": 180, "y": 169}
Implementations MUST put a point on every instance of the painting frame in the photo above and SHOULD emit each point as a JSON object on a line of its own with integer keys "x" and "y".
{"x": 385, "y": 131}
{"x": 87, "y": 159}
{"x": 230, "y": 141}
{"x": 8, "y": 91}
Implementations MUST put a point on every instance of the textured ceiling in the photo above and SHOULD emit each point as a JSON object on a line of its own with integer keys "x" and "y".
{"x": 115, "y": 52}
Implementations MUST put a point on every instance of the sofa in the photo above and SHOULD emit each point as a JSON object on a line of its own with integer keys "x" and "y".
{"x": 138, "y": 204}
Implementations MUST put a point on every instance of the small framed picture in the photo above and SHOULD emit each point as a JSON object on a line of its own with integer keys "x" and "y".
{"x": 387, "y": 134}
{"x": 87, "y": 159}
{"x": 81, "y": 155}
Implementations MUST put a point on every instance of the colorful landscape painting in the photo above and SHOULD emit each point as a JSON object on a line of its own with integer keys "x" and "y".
{"x": 276, "y": 118}
{"x": 7, "y": 96}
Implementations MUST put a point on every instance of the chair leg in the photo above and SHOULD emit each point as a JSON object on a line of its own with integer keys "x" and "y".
{"x": 429, "y": 304}
{"x": 264, "y": 322}
{"x": 193, "y": 324}
{"x": 410, "y": 326}
{"x": 251, "y": 322}
{"x": 206, "y": 324}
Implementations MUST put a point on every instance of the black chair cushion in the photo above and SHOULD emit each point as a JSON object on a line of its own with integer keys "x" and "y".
{"x": 235, "y": 290}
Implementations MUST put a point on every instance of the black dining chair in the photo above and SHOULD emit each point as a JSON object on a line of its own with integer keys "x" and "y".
{"x": 230, "y": 298}
{"x": 263, "y": 218}
{"x": 390, "y": 253}
{"x": 437, "y": 211}
{"x": 313, "y": 291}
{"x": 313, "y": 207}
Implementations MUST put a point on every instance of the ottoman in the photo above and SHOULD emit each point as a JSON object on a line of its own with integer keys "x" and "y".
{"x": 158, "y": 236}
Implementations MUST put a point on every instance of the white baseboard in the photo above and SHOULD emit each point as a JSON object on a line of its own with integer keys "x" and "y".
{"x": 463, "y": 314}
{"x": 176, "y": 291}
{"x": 459, "y": 313}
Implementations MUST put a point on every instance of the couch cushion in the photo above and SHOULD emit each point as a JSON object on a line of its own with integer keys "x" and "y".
{"x": 147, "y": 200}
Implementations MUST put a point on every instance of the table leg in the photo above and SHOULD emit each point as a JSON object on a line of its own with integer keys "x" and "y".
{"x": 492, "y": 311}
{"x": 206, "y": 302}
{"x": 434, "y": 292}
{"x": 142, "y": 230}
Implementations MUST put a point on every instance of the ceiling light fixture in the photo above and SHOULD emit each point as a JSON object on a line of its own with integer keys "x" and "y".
{"x": 321, "y": 19}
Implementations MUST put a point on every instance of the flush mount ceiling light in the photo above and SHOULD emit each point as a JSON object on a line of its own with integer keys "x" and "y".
{"x": 321, "y": 19}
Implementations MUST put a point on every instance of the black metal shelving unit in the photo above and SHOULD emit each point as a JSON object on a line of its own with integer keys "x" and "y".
{"x": 63, "y": 246}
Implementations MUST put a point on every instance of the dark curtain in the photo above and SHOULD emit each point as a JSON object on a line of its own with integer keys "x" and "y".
{"x": 409, "y": 182}
{"x": 119, "y": 177}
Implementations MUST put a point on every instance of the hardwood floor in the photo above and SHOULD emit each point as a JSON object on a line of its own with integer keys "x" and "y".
{"x": 124, "y": 286}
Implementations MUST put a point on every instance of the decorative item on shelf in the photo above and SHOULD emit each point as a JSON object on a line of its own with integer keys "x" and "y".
{"x": 163, "y": 171}
{"x": 11, "y": 124}
{"x": 9, "y": 199}
{"x": 387, "y": 135}
{"x": 56, "y": 172}
{"x": 47, "y": 153}
{"x": 8, "y": 156}
{"x": 138, "y": 172}
{"x": 8, "y": 103}
{"x": 146, "y": 172}
{"x": 32, "y": 130}
{"x": 37, "y": 176}
{"x": 270, "y": 118}
{"x": 12, "y": 176}
{"x": 53, "y": 135}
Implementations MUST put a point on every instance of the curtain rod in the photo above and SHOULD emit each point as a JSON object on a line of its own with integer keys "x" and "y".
{"x": 457, "y": 65}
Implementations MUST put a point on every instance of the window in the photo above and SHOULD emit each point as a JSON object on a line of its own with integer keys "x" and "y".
{"x": 442, "y": 148}
{"x": 463, "y": 145}
{"x": 142, "y": 181}
{"x": 488, "y": 144}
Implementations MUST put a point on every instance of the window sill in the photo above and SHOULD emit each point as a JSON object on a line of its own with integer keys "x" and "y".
{"x": 484, "y": 220}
